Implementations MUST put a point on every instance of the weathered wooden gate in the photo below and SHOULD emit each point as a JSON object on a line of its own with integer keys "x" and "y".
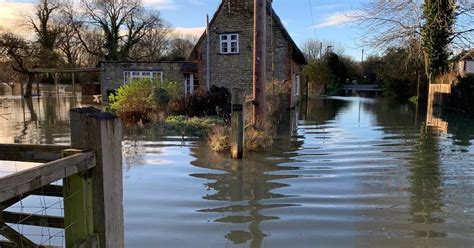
{"x": 92, "y": 190}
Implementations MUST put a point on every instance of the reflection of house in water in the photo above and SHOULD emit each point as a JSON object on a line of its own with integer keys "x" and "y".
{"x": 244, "y": 186}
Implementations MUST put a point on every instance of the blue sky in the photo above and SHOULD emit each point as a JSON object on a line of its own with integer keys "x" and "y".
{"x": 332, "y": 20}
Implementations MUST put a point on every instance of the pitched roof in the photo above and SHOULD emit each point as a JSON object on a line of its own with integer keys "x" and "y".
{"x": 298, "y": 56}
{"x": 466, "y": 54}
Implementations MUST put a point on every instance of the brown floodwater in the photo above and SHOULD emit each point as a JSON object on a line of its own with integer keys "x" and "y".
{"x": 352, "y": 172}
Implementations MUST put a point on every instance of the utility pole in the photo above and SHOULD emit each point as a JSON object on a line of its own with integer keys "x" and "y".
{"x": 208, "y": 57}
{"x": 259, "y": 60}
{"x": 362, "y": 68}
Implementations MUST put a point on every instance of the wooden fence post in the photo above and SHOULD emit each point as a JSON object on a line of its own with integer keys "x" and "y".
{"x": 101, "y": 132}
{"x": 237, "y": 136}
{"x": 78, "y": 209}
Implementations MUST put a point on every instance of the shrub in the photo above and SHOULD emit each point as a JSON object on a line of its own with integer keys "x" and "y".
{"x": 131, "y": 101}
{"x": 176, "y": 106}
{"x": 446, "y": 78}
{"x": 219, "y": 138}
{"x": 160, "y": 98}
{"x": 144, "y": 99}
{"x": 214, "y": 102}
{"x": 257, "y": 140}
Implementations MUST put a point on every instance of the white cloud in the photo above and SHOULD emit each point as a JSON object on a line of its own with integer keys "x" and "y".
{"x": 160, "y": 4}
{"x": 12, "y": 14}
{"x": 339, "y": 19}
{"x": 196, "y": 32}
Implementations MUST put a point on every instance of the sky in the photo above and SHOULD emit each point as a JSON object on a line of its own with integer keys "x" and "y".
{"x": 328, "y": 21}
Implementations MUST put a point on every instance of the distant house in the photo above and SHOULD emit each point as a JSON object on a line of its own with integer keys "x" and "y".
{"x": 230, "y": 55}
{"x": 464, "y": 63}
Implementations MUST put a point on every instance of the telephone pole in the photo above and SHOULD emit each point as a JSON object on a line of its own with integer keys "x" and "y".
{"x": 259, "y": 60}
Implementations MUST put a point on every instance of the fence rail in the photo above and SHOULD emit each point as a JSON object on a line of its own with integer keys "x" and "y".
{"x": 91, "y": 174}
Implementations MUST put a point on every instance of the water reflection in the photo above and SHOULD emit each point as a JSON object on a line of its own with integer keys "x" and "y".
{"x": 36, "y": 121}
{"x": 352, "y": 172}
{"x": 244, "y": 186}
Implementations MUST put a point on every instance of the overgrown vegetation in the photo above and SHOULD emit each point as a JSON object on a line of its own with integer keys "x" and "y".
{"x": 144, "y": 101}
{"x": 258, "y": 137}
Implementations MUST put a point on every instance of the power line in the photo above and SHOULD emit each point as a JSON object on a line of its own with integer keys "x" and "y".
{"x": 312, "y": 18}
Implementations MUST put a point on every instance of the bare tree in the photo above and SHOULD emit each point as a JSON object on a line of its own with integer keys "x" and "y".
{"x": 10, "y": 76}
{"x": 180, "y": 47}
{"x": 46, "y": 29}
{"x": 123, "y": 23}
{"x": 68, "y": 42}
{"x": 154, "y": 45}
{"x": 23, "y": 55}
{"x": 312, "y": 49}
{"x": 399, "y": 22}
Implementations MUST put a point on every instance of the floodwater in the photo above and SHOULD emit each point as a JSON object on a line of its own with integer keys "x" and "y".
{"x": 353, "y": 172}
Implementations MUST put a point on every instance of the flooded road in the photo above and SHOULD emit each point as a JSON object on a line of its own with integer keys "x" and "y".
{"x": 353, "y": 173}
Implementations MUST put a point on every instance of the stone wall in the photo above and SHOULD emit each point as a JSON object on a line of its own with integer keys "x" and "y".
{"x": 235, "y": 70}
{"x": 112, "y": 73}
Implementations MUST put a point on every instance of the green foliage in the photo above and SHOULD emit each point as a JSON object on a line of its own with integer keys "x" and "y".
{"x": 160, "y": 98}
{"x": 199, "y": 126}
{"x": 398, "y": 72}
{"x": 413, "y": 99}
{"x": 132, "y": 100}
{"x": 333, "y": 70}
{"x": 214, "y": 102}
{"x": 140, "y": 99}
{"x": 439, "y": 17}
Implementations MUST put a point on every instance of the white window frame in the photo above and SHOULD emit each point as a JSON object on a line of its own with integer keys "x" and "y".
{"x": 137, "y": 74}
{"x": 225, "y": 39}
{"x": 189, "y": 80}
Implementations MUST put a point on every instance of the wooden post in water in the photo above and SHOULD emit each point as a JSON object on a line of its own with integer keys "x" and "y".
{"x": 101, "y": 132}
{"x": 237, "y": 136}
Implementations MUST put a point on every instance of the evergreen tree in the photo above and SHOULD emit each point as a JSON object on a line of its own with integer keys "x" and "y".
{"x": 439, "y": 18}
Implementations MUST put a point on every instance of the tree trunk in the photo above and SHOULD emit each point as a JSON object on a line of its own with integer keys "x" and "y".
{"x": 29, "y": 87}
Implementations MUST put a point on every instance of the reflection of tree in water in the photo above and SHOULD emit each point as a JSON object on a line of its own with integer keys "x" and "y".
{"x": 43, "y": 120}
{"x": 245, "y": 185}
{"x": 426, "y": 203}
{"x": 320, "y": 110}
{"x": 426, "y": 184}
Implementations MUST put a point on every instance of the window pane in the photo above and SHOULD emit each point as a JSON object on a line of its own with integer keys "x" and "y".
{"x": 233, "y": 37}
{"x": 224, "y": 47}
{"x": 233, "y": 47}
{"x": 223, "y": 37}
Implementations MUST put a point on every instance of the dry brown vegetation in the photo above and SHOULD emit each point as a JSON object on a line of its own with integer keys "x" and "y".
{"x": 446, "y": 78}
{"x": 257, "y": 137}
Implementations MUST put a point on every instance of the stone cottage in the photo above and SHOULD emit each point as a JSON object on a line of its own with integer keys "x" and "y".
{"x": 230, "y": 55}
{"x": 231, "y": 48}
{"x": 117, "y": 73}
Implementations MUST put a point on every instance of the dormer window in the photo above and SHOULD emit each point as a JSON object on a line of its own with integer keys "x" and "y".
{"x": 229, "y": 43}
